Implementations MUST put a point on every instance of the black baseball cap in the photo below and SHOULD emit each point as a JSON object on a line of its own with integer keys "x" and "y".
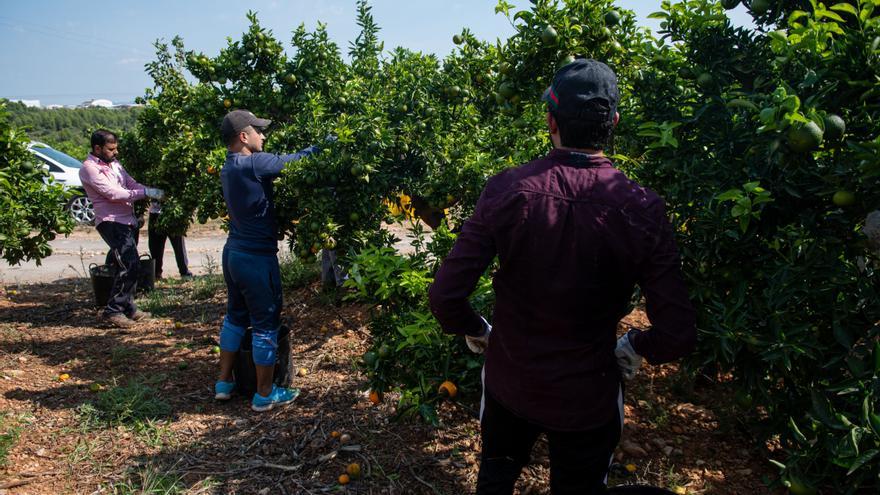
{"x": 585, "y": 89}
{"x": 236, "y": 120}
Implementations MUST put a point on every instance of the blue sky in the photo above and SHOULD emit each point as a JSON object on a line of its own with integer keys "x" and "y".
{"x": 68, "y": 51}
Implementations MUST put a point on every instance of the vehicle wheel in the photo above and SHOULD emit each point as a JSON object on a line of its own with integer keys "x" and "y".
{"x": 81, "y": 210}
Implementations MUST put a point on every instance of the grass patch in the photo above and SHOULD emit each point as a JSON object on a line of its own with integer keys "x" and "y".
{"x": 9, "y": 432}
{"x": 155, "y": 433}
{"x": 295, "y": 273}
{"x": 122, "y": 355}
{"x": 149, "y": 480}
{"x": 206, "y": 287}
{"x": 161, "y": 302}
{"x": 135, "y": 405}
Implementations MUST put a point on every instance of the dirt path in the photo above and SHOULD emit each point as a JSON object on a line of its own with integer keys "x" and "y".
{"x": 72, "y": 255}
{"x": 673, "y": 437}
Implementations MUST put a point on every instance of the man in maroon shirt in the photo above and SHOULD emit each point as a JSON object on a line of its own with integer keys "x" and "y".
{"x": 573, "y": 236}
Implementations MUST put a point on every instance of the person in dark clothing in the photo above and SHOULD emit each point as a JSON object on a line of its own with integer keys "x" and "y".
{"x": 573, "y": 236}
{"x": 250, "y": 257}
{"x": 156, "y": 242}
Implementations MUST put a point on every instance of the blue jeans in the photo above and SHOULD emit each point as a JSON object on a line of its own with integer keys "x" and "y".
{"x": 253, "y": 284}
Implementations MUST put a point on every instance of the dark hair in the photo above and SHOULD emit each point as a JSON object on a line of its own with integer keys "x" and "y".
{"x": 102, "y": 137}
{"x": 578, "y": 132}
{"x": 231, "y": 139}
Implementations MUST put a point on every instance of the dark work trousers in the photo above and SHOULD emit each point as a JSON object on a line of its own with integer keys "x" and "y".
{"x": 156, "y": 241}
{"x": 579, "y": 460}
{"x": 123, "y": 256}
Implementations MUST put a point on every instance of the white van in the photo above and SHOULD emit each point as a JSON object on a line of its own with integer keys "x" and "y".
{"x": 65, "y": 170}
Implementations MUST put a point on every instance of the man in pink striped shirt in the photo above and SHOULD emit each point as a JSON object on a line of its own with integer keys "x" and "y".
{"x": 113, "y": 193}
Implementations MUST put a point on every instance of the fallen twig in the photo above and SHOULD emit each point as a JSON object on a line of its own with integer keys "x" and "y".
{"x": 15, "y": 483}
{"x": 432, "y": 487}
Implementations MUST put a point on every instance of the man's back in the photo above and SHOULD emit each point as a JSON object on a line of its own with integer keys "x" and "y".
{"x": 573, "y": 236}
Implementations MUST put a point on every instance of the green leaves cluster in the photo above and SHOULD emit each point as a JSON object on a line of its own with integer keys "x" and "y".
{"x": 780, "y": 273}
{"x": 31, "y": 206}
{"x": 409, "y": 353}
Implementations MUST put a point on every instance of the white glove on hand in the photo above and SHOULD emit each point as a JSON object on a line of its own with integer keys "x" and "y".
{"x": 479, "y": 344}
{"x": 627, "y": 359}
{"x": 154, "y": 193}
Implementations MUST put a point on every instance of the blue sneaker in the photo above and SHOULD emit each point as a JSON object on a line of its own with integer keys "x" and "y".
{"x": 223, "y": 390}
{"x": 277, "y": 397}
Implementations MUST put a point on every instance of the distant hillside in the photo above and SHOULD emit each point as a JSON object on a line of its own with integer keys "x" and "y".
{"x": 68, "y": 129}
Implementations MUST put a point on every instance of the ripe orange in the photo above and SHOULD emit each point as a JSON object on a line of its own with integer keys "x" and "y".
{"x": 447, "y": 389}
{"x": 344, "y": 479}
{"x": 375, "y": 397}
{"x": 354, "y": 470}
{"x": 335, "y": 434}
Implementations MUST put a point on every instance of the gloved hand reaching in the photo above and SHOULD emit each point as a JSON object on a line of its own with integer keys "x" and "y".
{"x": 627, "y": 359}
{"x": 154, "y": 193}
{"x": 479, "y": 343}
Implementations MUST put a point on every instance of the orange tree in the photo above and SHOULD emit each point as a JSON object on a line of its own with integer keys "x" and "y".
{"x": 763, "y": 143}
{"x": 31, "y": 211}
{"x": 769, "y": 170}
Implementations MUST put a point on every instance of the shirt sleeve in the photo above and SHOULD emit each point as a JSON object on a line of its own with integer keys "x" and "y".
{"x": 109, "y": 189}
{"x": 269, "y": 166}
{"x": 673, "y": 332}
{"x": 460, "y": 272}
{"x": 130, "y": 183}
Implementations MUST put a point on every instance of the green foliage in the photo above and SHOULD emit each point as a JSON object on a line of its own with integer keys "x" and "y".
{"x": 773, "y": 264}
{"x": 133, "y": 404}
{"x": 149, "y": 480}
{"x": 69, "y": 129}
{"x": 31, "y": 211}
{"x": 409, "y": 352}
{"x": 9, "y": 432}
{"x": 207, "y": 286}
{"x": 297, "y": 273}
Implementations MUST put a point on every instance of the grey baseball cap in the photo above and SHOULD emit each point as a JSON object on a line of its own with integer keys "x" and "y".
{"x": 236, "y": 120}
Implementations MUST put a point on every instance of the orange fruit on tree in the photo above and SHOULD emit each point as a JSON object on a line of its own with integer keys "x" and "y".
{"x": 344, "y": 479}
{"x": 447, "y": 389}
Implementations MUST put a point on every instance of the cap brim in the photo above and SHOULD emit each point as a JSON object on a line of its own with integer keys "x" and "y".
{"x": 262, "y": 123}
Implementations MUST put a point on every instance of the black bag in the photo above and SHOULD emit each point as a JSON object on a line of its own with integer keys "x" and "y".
{"x": 146, "y": 273}
{"x": 245, "y": 374}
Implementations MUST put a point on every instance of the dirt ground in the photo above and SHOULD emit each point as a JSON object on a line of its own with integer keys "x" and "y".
{"x": 686, "y": 440}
